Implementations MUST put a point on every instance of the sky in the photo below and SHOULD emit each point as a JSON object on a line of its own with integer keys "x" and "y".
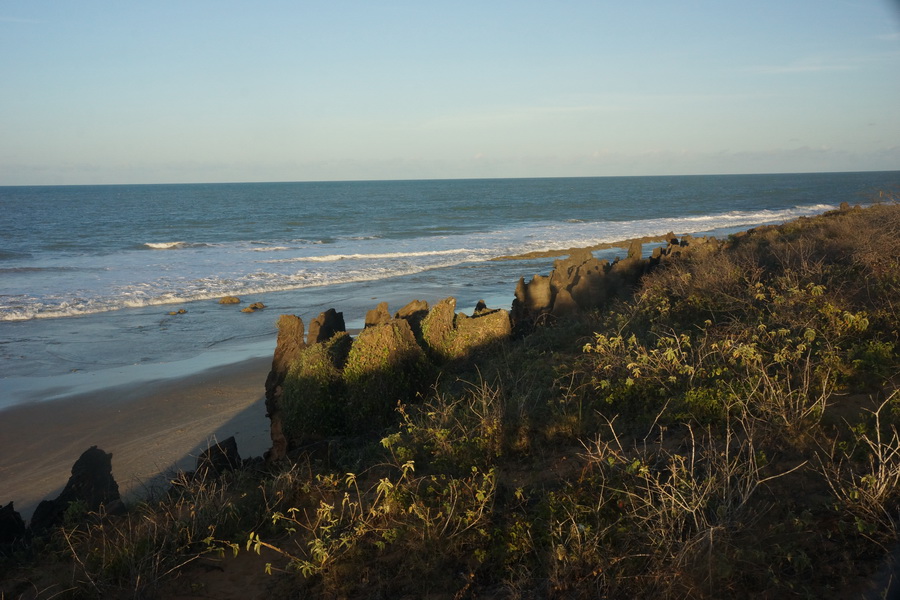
{"x": 213, "y": 91}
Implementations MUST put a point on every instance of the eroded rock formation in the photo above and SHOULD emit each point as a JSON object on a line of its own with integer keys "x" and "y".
{"x": 12, "y": 527}
{"x": 581, "y": 282}
{"x": 90, "y": 486}
{"x": 288, "y": 347}
{"x": 337, "y": 384}
{"x": 325, "y": 326}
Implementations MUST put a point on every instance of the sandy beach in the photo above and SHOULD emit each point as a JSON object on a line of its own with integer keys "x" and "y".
{"x": 150, "y": 429}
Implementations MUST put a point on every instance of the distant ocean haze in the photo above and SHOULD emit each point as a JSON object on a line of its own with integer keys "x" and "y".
{"x": 88, "y": 274}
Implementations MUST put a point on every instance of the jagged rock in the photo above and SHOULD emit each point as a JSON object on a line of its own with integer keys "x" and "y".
{"x": 532, "y": 300}
{"x": 385, "y": 366}
{"x": 230, "y": 300}
{"x": 326, "y": 325}
{"x": 414, "y": 308}
{"x": 12, "y": 527}
{"x": 413, "y": 313}
{"x": 635, "y": 250}
{"x": 564, "y": 305}
{"x": 91, "y": 485}
{"x": 581, "y": 282}
{"x": 437, "y": 327}
{"x": 311, "y": 402}
{"x": 290, "y": 343}
{"x": 586, "y": 282}
{"x": 218, "y": 459}
{"x": 447, "y": 335}
{"x": 480, "y": 307}
{"x": 482, "y": 329}
{"x": 378, "y": 315}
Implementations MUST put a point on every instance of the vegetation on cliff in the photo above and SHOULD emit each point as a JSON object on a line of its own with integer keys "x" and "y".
{"x": 729, "y": 430}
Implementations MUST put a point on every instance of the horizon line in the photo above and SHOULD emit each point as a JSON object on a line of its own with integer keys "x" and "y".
{"x": 422, "y": 179}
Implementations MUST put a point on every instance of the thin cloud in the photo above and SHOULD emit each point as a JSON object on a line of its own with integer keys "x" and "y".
{"x": 802, "y": 66}
{"x": 4, "y": 19}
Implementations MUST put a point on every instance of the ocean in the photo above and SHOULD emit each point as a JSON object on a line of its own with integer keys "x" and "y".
{"x": 89, "y": 274}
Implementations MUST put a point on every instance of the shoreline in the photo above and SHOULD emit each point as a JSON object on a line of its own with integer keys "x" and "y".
{"x": 624, "y": 244}
{"x": 150, "y": 429}
{"x": 154, "y": 426}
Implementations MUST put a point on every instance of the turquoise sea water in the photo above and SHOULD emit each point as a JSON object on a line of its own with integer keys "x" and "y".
{"x": 88, "y": 274}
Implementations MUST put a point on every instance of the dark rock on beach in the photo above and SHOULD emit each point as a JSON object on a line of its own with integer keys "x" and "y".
{"x": 219, "y": 458}
{"x": 91, "y": 486}
{"x": 12, "y": 527}
{"x": 326, "y": 325}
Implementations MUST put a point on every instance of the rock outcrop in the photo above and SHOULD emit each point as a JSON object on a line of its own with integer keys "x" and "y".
{"x": 311, "y": 407}
{"x": 288, "y": 347}
{"x": 449, "y": 336}
{"x": 12, "y": 527}
{"x": 325, "y": 326}
{"x": 334, "y": 384}
{"x": 378, "y": 315}
{"x": 385, "y": 366}
{"x": 581, "y": 282}
{"x": 90, "y": 487}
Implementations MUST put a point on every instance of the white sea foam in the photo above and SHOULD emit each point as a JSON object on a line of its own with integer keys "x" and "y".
{"x": 375, "y": 256}
{"x": 231, "y": 274}
{"x": 272, "y": 249}
{"x": 166, "y": 245}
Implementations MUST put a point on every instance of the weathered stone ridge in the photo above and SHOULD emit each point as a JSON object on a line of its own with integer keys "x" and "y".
{"x": 330, "y": 385}
{"x": 581, "y": 282}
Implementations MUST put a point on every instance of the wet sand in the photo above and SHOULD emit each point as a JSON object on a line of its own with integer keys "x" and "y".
{"x": 150, "y": 429}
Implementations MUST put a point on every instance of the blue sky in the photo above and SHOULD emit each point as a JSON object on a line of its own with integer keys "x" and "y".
{"x": 127, "y": 92}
